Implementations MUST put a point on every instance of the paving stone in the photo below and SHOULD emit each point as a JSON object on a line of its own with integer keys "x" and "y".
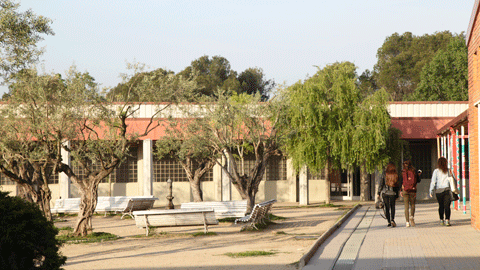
{"x": 365, "y": 242}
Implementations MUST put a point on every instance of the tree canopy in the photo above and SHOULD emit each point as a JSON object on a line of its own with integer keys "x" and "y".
{"x": 209, "y": 74}
{"x": 19, "y": 34}
{"x": 402, "y": 58}
{"x": 328, "y": 123}
{"x": 445, "y": 77}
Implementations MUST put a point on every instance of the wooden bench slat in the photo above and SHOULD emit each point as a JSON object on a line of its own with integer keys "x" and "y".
{"x": 258, "y": 215}
{"x": 223, "y": 209}
{"x": 175, "y": 217}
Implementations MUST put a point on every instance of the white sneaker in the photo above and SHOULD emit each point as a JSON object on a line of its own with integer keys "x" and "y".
{"x": 407, "y": 224}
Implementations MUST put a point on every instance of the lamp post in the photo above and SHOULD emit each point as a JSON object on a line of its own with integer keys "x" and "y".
{"x": 170, "y": 197}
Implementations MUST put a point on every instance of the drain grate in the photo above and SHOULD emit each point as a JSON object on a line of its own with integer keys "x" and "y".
{"x": 349, "y": 252}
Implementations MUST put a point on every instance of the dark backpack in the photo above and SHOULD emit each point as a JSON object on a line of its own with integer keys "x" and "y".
{"x": 409, "y": 181}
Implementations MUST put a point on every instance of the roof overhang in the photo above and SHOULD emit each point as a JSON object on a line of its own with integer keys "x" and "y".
{"x": 455, "y": 122}
{"x": 419, "y": 127}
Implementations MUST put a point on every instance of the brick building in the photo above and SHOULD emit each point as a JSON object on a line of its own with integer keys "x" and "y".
{"x": 473, "y": 44}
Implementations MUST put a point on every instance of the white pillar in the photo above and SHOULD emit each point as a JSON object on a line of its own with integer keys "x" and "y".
{"x": 64, "y": 181}
{"x": 147, "y": 167}
{"x": 292, "y": 181}
{"x": 303, "y": 192}
{"x": 226, "y": 183}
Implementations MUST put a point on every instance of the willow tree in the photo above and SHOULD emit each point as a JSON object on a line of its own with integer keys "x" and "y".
{"x": 328, "y": 124}
{"x": 239, "y": 127}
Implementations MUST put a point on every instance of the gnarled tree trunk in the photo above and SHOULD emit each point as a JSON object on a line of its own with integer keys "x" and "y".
{"x": 88, "y": 203}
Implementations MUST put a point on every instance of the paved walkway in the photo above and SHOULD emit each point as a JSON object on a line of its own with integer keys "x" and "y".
{"x": 365, "y": 242}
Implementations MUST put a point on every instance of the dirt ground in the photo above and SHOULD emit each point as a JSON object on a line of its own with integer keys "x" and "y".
{"x": 177, "y": 248}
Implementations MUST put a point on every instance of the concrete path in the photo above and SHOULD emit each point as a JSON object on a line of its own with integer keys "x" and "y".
{"x": 365, "y": 242}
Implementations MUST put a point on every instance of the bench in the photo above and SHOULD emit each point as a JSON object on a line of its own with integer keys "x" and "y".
{"x": 224, "y": 209}
{"x": 71, "y": 205}
{"x": 258, "y": 215}
{"x": 123, "y": 204}
{"x": 175, "y": 217}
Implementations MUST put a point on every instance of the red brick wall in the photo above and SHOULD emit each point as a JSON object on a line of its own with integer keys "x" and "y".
{"x": 474, "y": 97}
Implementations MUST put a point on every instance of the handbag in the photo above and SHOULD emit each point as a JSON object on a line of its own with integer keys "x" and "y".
{"x": 453, "y": 196}
{"x": 453, "y": 183}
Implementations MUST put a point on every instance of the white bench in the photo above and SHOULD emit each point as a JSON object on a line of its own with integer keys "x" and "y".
{"x": 123, "y": 204}
{"x": 175, "y": 217}
{"x": 222, "y": 209}
{"x": 258, "y": 215}
{"x": 71, "y": 205}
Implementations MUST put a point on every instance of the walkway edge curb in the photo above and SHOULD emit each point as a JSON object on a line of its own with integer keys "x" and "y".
{"x": 306, "y": 258}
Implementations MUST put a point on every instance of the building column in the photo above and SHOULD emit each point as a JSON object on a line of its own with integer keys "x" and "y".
{"x": 147, "y": 167}
{"x": 292, "y": 181}
{"x": 226, "y": 183}
{"x": 64, "y": 180}
{"x": 217, "y": 182}
{"x": 303, "y": 192}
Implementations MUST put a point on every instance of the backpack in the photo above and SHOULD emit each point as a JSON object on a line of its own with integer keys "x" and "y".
{"x": 409, "y": 181}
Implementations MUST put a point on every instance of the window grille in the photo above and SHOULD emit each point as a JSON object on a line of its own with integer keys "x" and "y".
{"x": 4, "y": 180}
{"x": 164, "y": 169}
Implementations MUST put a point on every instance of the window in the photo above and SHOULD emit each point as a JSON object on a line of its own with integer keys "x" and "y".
{"x": 125, "y": 172}
{"x": 4, "y": 180}
{"x": 275, "y": 170}
{"x": 164, "y": 169}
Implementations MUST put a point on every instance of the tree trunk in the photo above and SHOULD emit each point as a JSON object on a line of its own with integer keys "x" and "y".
{"x": 24, "y": 193}
{"x": 364, "y": 185}
{"x": 88, "y": 202}
{"x": 250, "y": 202}
{"x": 196, "y": 190}
{"x": 328, "y": 170}
{"x": 44, "y": 201}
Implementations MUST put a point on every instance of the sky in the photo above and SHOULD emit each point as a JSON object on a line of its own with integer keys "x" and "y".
{"x": 289, "y": 40}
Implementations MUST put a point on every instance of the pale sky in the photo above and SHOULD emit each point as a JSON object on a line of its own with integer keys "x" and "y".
{"x": 287, "y": 39}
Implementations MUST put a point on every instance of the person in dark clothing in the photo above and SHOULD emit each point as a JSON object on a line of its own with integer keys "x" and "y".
{"x": 410, "y": 178}
{"x": 388, "y": 191}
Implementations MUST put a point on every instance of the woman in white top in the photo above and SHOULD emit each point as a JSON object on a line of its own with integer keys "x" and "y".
{"x": 441, "y": 186}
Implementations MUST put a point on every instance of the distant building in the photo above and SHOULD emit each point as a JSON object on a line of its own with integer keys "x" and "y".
{"x": 144, "y": 174}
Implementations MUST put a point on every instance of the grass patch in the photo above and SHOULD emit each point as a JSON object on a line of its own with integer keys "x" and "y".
{"x": 228, "y": 219}
{"x": 203, "y": 234}
{"x": 281, "y": 232}
{"x": 67, "y": 214}
{"x": 274, "y": 217}
{"x": 90, "y": 238}
{"x": 253, "y": 253}
{"x": 66, "y": 228}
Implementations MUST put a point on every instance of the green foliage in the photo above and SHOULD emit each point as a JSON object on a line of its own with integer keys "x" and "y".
{"x": 445, "y": 77}
{"x": 154, "y": 86}
{"x": 252, "y": 81}
{"x": 20, "y": 33}
{"x": 203, "y": 78}
{"x": 90, "y": 238}
{"x": 213, "y": 74}
{"x": 27, "y": 238}
{"x": 203, "y": 234}
{"x": 327, "y": 120}
{"x": 253, "y": 253}
{"x": 402, "y": 58}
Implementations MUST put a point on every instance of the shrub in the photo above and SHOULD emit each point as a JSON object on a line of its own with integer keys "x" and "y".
{"x": 27, "y": 239}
